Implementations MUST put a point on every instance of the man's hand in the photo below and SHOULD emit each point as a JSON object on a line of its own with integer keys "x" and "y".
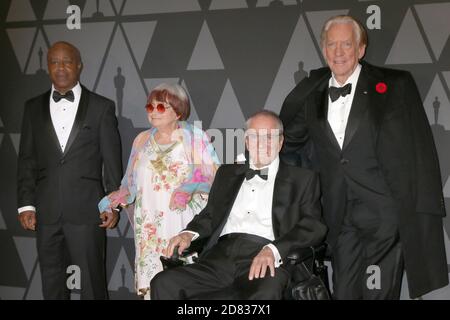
{"x": 28, "y": 220}
{"x": 109, "y": 219}
{"x": 182, "y": 240}
{"x": 261, "y": 262}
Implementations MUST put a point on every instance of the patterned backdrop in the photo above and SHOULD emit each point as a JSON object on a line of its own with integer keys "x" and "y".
{"x": 233, "y": 56}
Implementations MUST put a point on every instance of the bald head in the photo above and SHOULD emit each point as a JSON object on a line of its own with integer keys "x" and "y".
{"x": 266, "y": 115}
{"x": 68, "y": 46}
{"x": 64, "y": 65}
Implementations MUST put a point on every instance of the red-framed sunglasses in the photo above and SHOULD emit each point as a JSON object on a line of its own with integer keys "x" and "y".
{"x": 160, "y": 107}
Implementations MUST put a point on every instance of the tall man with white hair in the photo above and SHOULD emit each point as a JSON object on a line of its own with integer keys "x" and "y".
{"x": 370, "y": 140}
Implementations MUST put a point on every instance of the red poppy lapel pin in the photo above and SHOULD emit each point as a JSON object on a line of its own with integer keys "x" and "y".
{"x": 381, "y": 87}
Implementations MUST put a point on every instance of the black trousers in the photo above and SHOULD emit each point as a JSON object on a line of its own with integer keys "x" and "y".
{"x": 367, "y": 258}
{"x": 62, "y": 245}
{"x": 222, "y": 273}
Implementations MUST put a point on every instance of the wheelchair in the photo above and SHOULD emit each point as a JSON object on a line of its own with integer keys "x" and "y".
{"x": 309, "y": 274}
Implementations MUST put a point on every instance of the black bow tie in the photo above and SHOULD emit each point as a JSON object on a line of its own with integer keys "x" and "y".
{"x": 336, "y": 92}
{"x": 250, "y": 173}
{"x": 68, "y": 96}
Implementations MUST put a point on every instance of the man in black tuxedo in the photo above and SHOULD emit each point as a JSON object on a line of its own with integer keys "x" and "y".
{"x": 370, "y": 140}
{"x": 69, "y": 135}
{"x": 256, "y": 213}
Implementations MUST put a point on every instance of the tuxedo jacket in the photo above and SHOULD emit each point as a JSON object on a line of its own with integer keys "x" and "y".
{"x": 69, "y": 184}
{"x": 296, "y": 211}
{"x": 388, "y": 160}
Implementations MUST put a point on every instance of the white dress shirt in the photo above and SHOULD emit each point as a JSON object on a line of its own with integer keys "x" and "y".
{"x": 63, "y": 115}
{"x": 339, "y": 110}
{"x": 252, "y": 210}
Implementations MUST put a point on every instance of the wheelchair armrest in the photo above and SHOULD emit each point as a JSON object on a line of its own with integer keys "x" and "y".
{"x": 297, "y": 254}
{"x": 309, "y": 274}
{"x": 196, "y": 246}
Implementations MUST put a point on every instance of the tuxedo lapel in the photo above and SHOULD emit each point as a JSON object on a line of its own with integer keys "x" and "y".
{"x": 48, "y": 124}
{"x": 281, "y": 191}
{"x": 376, "y": 101}
{"x": 233, "y": 185}
{"x": 366, "y": 99}
{"x": 358, "y": 108}
{"x": 321, "y": 100}
{"x": 79, "y": 118}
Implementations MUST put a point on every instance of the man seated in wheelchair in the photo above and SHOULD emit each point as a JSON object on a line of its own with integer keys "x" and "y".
{"x": 257, "y": 212}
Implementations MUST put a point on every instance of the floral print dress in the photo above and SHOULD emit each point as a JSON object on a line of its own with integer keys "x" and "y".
{"x": 166, "y": 185}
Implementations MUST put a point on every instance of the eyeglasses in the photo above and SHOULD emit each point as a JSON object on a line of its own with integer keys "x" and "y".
{"x": 160, "y": 107}
{"x": 263, "y": 137}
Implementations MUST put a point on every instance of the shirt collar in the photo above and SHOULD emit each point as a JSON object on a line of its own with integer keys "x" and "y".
{"x": 272, "y": 167}
{"x": 76, "y": 91}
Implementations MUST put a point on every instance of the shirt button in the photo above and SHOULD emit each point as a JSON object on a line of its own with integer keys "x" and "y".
{"x": 253, "y": 190}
